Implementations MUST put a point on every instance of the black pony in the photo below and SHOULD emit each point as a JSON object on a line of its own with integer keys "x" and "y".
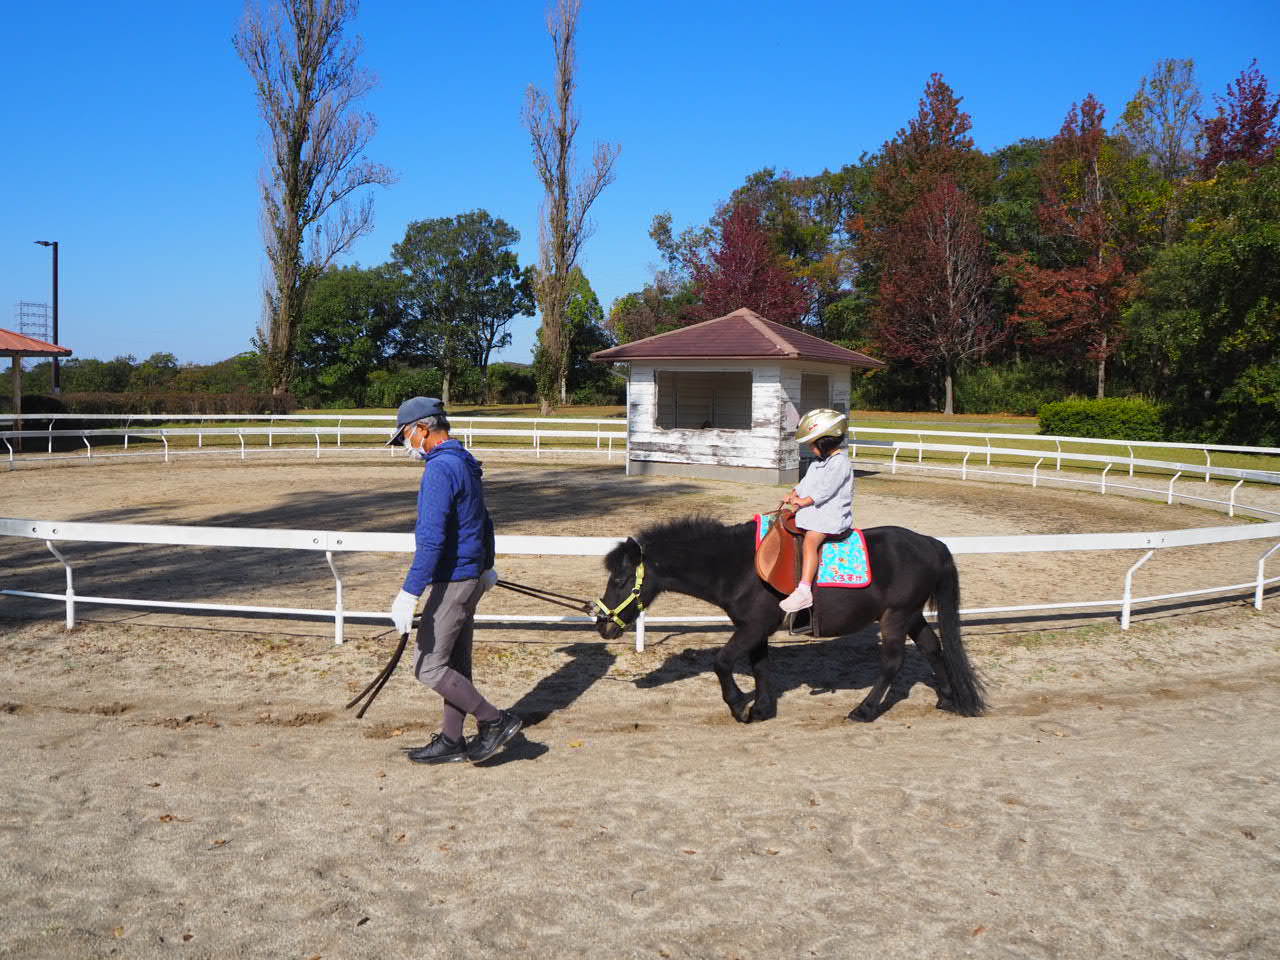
{"x": 716, "y": 563}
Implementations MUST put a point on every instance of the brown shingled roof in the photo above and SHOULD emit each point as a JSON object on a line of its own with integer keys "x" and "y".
{"x": 20, "y": 344}
{"x": 741, "y": 335}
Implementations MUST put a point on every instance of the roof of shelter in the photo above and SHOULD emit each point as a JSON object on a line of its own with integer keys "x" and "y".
{"x": 19, "y": 344}
{"x": 741, "y": 335}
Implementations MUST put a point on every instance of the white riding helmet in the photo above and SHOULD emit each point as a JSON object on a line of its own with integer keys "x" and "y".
{"x": 821, "y": 423}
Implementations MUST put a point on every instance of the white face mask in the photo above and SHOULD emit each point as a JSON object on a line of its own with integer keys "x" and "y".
{"x": 414, "y": 452}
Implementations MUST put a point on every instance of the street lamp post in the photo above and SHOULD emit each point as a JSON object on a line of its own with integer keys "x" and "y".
{"x": 57, "y": 378}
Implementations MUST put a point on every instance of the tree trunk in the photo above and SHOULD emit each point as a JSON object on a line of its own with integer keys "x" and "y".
{"x": 948, "y": 384}
{"x": 444, "y": 388}
{"x": 563, "y": 399}
{"x": 1102, "y": 369}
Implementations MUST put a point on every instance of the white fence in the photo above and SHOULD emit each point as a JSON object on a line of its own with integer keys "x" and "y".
{"x": 543, "y": 433}
{"x": 337, "y": 542}
{"x": 949, "y": 457}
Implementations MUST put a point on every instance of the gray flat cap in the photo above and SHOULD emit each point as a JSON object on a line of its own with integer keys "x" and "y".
{"x": 411, "y": 411}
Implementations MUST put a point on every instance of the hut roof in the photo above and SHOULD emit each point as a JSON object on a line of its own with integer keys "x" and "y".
{"x": 741, "y": 335}
{"x": 20, "y": 345}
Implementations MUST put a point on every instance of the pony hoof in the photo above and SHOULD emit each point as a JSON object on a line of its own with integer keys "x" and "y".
{"x": 759, "y": 713}
{"x": 947, "y": 705}
{"x": 861, "y": 716}
{"x": 741, "y": 711}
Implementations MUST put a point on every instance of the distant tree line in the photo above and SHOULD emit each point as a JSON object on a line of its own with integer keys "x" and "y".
{"x": 1140, "y": 257}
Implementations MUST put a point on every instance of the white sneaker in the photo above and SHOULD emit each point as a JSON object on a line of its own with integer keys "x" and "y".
{"x": 800, "y": 598}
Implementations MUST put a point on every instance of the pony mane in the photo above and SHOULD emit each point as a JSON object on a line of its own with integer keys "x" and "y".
{"x": 688, "y": 534}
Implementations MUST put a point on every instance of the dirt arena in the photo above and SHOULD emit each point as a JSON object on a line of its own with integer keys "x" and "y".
{"x": 190, "y": 786}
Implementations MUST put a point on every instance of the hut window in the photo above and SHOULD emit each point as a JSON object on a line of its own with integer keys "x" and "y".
{"x": 815, "y": 392}
{"x": 694, "y": 399}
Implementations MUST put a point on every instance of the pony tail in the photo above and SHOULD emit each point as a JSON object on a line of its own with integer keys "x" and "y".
{"x": 966, "y": 686}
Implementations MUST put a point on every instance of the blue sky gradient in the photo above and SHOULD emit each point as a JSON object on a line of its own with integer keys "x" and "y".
{"x": 135, "y": 142}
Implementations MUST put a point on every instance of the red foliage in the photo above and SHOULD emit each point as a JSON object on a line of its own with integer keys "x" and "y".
{"x": 935, "y": 143}
{"x": 1077, "y": 303}
{"x": 934, "y": 290}
{"x": 1245, "y": 127}
{"x": 742, "y": 270}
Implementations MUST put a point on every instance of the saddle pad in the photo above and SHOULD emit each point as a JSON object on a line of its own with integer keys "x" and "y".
{"x": 843, "y": 564}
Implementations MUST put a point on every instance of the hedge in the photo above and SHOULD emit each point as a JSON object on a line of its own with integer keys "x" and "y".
{"x": 124, "y": 404}
{"x": 1112, "y": 418}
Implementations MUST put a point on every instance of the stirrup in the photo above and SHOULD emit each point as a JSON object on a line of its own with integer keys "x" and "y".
{"x": 800, "y": 623}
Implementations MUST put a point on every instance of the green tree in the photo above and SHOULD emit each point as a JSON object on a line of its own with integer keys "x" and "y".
{"x": 1209, "y": 307}
{"x": 1160, "y": 120}
{"x": 155, "y": 373}
{"x": 97, "y": 376}
{"x": 346, "y": 332}
{"x": 462, "y": 287}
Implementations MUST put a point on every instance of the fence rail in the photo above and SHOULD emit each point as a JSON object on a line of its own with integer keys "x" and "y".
{"x": 332, "y": 542}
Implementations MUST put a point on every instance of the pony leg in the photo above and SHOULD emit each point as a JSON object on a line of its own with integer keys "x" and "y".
{"x": 927, "y": 642}
{"x": 893, "y": 640}
{"x": 739, "y": 703}
{"x": 765, "y": 706}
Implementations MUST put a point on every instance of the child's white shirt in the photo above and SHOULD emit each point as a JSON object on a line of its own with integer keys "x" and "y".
{"x": 830, "y": 483}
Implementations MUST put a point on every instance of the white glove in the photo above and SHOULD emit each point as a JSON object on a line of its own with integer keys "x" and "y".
{"x": 402, "y": 610}
{"x": 488, "y": 580}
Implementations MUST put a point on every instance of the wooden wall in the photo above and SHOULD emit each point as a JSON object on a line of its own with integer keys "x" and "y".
{"x": 775, "y": 411}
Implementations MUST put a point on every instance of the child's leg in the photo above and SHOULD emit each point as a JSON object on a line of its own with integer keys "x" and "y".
{"x": 809, "y": 565}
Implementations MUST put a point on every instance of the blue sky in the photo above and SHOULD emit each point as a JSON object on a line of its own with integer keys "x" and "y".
{"x": 134, "y": 139}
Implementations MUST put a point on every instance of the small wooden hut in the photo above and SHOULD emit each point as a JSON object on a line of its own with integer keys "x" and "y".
{"x": 722, "y": 398}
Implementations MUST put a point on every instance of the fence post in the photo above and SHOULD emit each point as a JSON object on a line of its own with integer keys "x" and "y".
{"x": 1104, "y": 478}
{"x": 88, "y": 450}
{"x": 337, "y": 608}
{"x": 920, "y": 448}
{"x": 640, "y": 632}
{"x": 1257, "y": 593}
{"x": 893, "y": 464}
{"x": 71, "y": 590}
{"x": 964, "y": 467}
{"x": 988, "y": 451}
{"x": 1128, "y": 590}
{"x": 240, "y": 435}
{"x": 165, "y": 441}
{"x": 1171, "y": 482}
{"x": 1231, "y": 507}
{"x": 1035, "y": 472}
{"x": 1058, "y": 444}
{"x": 50, "y": 436}
{"x": 1130, "y": 449}
{"x": 317, "y": 444}
{"x": 339, "y": 443}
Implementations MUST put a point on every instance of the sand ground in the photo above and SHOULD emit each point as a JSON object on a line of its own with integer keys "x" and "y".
{"x": 185, "y": 785}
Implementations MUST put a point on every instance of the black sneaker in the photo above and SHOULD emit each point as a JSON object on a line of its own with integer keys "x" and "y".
{"x": 440, "y": 750}
{"x": 493, "y": 735}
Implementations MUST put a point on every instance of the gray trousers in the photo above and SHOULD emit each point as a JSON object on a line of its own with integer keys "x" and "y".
{"x": 445, "y": 630}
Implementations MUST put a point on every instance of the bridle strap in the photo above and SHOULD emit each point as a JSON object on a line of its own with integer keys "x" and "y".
{"x": 605, "y": 612}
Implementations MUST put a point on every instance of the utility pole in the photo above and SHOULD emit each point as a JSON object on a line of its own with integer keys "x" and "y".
{"x": 57, "y": 377}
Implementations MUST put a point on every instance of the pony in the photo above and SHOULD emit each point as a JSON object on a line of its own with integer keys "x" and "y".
{"x": 712, "y": 561}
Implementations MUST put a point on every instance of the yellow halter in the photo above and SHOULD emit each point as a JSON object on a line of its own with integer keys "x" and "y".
{"x": 604, "y": 611}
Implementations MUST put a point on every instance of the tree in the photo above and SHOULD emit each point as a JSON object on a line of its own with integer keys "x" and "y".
{"x": 307, "y": 81}
{"x": 1074, "y": 300}
{"x": 1160, "y": 120}
{"x": 741, "y": 269}
{"x": 157, "y": 372}
{"x": 564, "y": 226}
{"x": 346, "y": 332}
{"x": 463, "y": 285}
{"x": 935, "y": 287}
{"x": 1210, "y": 305}
{"x": 1245, "y": 127}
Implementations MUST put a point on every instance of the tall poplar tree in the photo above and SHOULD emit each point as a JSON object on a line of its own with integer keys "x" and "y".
{"x": 307, "y": 80}
{"x": 552, "y": 122}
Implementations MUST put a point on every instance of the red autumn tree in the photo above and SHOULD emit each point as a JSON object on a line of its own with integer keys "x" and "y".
{"x": 934, "y": 307}
{"x": 1074, "y": 303}
{"x": 1245, "y": 127}
{"x": 741, "y": 269}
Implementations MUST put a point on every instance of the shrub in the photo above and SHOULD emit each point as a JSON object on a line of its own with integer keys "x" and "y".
{"x": 391, "y": 388}
{"x": 124, "y": 404}
{"x": 1113, "y": 418}
{"x": 1017, "y": 389}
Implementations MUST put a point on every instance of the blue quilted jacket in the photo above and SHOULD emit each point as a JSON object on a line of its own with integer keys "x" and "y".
{"x": 454, "y": 533}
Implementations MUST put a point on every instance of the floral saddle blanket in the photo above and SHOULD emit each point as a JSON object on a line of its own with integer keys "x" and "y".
{"x": 842, "y": 563}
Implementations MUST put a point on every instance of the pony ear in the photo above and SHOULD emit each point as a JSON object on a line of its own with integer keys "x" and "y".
{"x": 632, "y": 547}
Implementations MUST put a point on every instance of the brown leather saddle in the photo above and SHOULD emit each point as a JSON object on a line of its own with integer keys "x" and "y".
{"x": 780, "y": 555}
